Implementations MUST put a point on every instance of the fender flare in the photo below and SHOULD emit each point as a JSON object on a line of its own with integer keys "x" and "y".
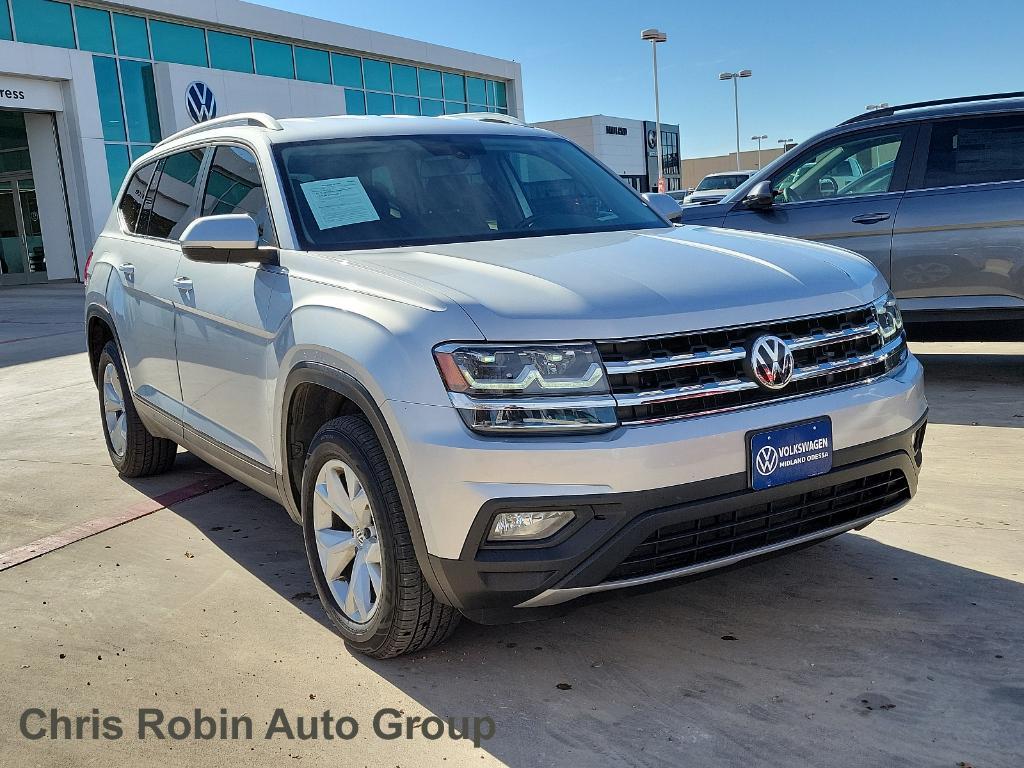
{"x": 100, "y": 312}
{"x": 346, "y": 385}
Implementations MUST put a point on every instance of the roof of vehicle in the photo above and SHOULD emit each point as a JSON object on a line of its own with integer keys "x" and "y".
{"x": 994, "y": 102}
{"x": 259, "y": 126}
{"x": 728, "y": 173}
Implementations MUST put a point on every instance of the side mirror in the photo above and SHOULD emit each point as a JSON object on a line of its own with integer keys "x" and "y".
{"x": 661, "y": 203}
{"x": 760, "y": 196}
{"x": 232, "y": 238}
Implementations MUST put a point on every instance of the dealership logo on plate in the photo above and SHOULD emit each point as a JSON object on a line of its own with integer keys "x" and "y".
{"x": 767, "y": 460}
{"x": 200, "y": 102}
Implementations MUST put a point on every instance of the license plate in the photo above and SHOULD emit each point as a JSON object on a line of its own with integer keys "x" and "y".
{"x": 789, "y": 453}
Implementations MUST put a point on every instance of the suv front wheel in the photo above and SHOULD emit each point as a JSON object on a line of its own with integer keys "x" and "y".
{"x": 359, "y": 548}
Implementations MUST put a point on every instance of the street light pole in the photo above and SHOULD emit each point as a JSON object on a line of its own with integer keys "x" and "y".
{"x": 758, "y": 140}
{"x": 873, "y": 107}
{"x": 735, "y": 77}
{"x": 785, "y": 143}
{"x": 655, "y": 36}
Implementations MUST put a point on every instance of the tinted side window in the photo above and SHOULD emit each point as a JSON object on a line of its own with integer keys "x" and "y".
{"x": 135, "y": 195}
{"x": 975, "y": 151}
{"x": 233, "y": 185}
{"x": 168, "y": 213}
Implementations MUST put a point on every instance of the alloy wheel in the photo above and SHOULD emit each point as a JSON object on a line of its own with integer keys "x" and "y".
{"x": 113, "y": 410}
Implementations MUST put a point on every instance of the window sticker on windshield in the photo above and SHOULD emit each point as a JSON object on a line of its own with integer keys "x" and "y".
{"x": 338, "y": 202}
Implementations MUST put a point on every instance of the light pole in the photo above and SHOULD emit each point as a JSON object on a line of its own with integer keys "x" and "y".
{"x": 785, "y": 143}
{"x": 735, "y": 77}
{"x": 656, "y": 36}
{"x": 873, "y": 107}
{"x": 758, "y": 139}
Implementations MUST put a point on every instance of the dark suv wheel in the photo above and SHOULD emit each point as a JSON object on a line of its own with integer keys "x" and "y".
{"x": 359, "y": 548}
{"x": 134, "y": 452}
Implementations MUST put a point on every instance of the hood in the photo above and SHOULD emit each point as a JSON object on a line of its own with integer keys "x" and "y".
{"x": 708, "y": 195}
{"x": 712, "y": 214}
{"x": 620, "y": 284}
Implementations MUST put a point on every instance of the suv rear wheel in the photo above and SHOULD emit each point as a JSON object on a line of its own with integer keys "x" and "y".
{"x": 359, "y": 548}
{"x": 134, "y": 452}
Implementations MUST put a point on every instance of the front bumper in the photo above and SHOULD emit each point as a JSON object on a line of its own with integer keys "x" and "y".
{"x": 624, "y": 484}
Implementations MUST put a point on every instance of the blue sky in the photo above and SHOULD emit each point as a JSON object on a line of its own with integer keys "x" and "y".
{"x": 814, "y": 63}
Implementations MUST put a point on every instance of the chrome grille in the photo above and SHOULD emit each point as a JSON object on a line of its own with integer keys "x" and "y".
{"x": 692, "y": 374}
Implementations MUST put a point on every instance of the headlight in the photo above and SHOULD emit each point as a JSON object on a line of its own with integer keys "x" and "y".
{"x": 528, "y": 387}
{"x": 887, "y": 313}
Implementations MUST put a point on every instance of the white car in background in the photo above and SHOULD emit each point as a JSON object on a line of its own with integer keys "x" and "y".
{"x": 715, "y": 186}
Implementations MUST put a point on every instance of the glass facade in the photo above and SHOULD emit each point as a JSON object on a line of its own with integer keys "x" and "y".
{"x": 123, "y": 67}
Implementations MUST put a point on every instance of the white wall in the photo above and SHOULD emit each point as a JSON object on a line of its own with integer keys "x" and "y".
{"x": 239, "y": 92}
{"x": 53, "y": 211}
{"x": 624, "y": 154}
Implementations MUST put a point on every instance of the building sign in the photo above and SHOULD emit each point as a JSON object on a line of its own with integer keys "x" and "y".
{"x": 200, "y": 102}
{"x": 30, "y": 93}
{"x": 616, "y": 130}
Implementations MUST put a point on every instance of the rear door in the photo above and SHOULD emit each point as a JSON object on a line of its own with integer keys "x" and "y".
{"x": 959, "y": 235}
{"x": 843, "y": 190}
{"x": 223, "y": 340}
{"x": 142, "y": 299}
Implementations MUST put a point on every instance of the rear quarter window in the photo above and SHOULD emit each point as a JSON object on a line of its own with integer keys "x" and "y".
{"x": 975, "y": 150}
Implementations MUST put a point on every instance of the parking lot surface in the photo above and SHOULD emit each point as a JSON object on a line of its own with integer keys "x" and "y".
{"x": 902, "y": 645}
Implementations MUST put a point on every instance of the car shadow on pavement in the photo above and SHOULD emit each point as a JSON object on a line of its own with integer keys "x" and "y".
{"x": 848, "y": 647}
{"x": 993, "y": 384}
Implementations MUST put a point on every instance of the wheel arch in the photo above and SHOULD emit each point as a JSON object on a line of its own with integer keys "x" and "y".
{"x": 314, "y": 393}
{"x": 100, "y": 329}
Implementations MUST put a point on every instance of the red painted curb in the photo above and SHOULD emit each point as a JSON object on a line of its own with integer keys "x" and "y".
{"x": 48, "y": 544}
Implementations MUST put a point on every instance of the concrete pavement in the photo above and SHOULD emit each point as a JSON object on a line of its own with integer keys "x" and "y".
{"x": 898, "y": 646}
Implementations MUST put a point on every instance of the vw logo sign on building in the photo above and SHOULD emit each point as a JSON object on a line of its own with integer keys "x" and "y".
{"x": 200, "y": 102}
{"x": 770, "y": 362}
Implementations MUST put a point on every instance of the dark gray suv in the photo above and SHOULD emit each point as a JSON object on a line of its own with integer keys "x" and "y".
{"x": 932, "y": 193}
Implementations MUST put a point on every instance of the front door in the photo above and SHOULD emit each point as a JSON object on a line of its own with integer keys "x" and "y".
{"x": 21, "y": 241}
{"x": 843, "y": 191}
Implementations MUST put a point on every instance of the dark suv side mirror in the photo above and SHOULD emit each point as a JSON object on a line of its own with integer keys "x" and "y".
{"x": 760, "y": 196}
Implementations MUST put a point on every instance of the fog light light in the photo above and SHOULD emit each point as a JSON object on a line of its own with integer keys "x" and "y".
{"x": 528, "y": 526}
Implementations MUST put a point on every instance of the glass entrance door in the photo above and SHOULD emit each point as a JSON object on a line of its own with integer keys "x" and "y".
{"x": 22, "y": 259}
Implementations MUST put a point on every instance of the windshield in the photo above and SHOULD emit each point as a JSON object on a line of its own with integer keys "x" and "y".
{"x": 389, "y": 191}
{"x": 721, "y": 182}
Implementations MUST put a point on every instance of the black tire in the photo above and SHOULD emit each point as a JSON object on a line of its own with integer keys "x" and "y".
{"x": 408, "y": 617}
{"x": 144, "y": 454}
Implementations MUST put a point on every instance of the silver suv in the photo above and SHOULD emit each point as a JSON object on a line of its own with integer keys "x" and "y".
{"x": 483, "y": 374}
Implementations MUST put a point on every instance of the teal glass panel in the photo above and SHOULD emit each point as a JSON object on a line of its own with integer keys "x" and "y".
{"x": 44, "y": 22}
{"x": 94, "y": 32}
{"x": 454, "y": 107}
{"x": 140, "y": 101}
{"x": 380, "y": 104}
{"x": 454, "y": 87}
{"x": 229, "y": 51}
{"x": 377, "y": 74}
{"x": 348, "y": 71}
{"x": 490, "y": 92}
{"x": 355, "y": 102}
{"x": 404, "y": 78}
{"x": 476, "y": 90}
{"x": 431, "y": 108}
{"x": 117, "y": 166}
{"x": 430, "y": 84}
{"x": 312, "y": 65}
{"x": 131, "y": 36}
{"x": 178, "y": 43}
{"x": 5, "y": 21}
{"x": 107, "y": 89}
{"x": 273, "y": 59}
{"x": 500, "y": 95}
{"x": 407, "y": 105}
{"x": 138, "y": 150}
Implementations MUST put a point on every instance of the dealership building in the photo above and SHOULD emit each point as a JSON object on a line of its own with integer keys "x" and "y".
{"x": 85, "y": 88}
{"x": 628, "y": 147}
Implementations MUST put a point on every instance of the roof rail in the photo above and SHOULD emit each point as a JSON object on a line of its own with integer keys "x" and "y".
{"x": 488, "y": 117}
{"x": 260, "y": 119}
{"x": 886, "y": 111}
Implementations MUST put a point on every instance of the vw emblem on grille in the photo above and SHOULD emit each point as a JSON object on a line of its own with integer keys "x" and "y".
{"x": 770, "y": 362}
{"x": 200, "y": 102}
{"x": 767, "y": 460}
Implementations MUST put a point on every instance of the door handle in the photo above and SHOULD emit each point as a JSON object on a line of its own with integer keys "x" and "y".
{"x": 128, "y": 270}
{"x": 870, "y": 218}
{"x": 183, "y": 284}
